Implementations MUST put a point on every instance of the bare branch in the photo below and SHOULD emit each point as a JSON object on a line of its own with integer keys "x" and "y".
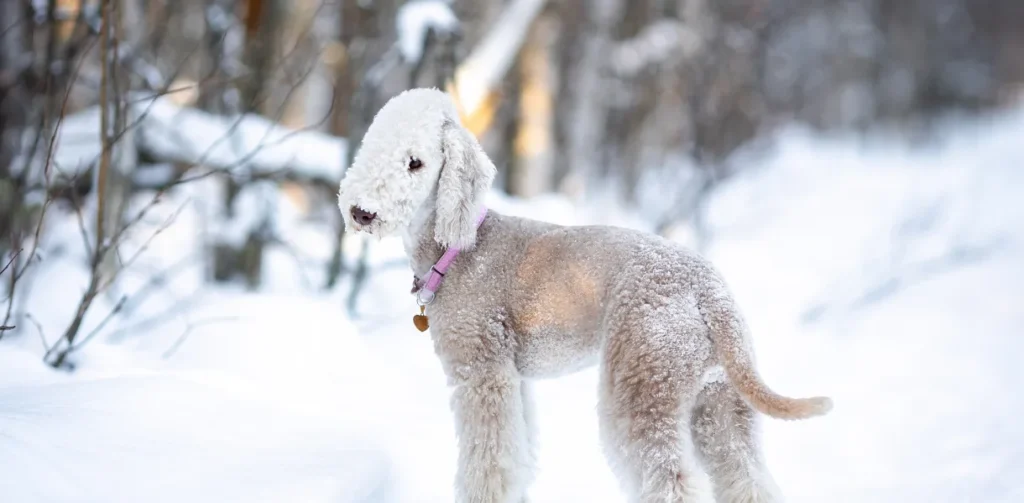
{"x": 188, "y": 331}
{"x": 17, "y": 274}
{"x": 172, "y": 312}
{"x": 82, "y": 229}
{"x": 12, "y": 286}
{"x": 131, "y": 260}
{"x": 14, "y": 257}
{"x": 97, "y": 285}
{"x": 138, "y": 297}
{"x": 957, "y": 256}
{"x": 102, "y": 246}
{"x": 39, "y": 330}
{"x": 106, "y": 154}
{"x": 106, "y": 319}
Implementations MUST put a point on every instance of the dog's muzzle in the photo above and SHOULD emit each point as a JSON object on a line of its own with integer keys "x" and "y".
{"x": 361, "y": 216}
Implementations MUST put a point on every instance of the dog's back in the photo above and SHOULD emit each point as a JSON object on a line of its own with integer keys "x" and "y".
{"x": 567, "y": 288}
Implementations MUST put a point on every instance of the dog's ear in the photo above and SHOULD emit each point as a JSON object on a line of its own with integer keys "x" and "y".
{"x": 465, "y": 177}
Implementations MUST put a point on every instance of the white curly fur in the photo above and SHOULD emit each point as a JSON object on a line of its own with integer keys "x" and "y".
{"x": 380, "y": 181}
{"x": 530, "y": 300}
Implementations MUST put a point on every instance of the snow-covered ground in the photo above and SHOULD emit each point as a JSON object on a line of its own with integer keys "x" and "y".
{"x": 888, "y": 277}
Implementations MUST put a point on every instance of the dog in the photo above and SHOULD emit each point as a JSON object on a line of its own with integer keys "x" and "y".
{"x": 508, "y": 300}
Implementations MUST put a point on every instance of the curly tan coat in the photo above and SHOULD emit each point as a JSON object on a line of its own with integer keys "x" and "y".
{"x": 679, "y": 390}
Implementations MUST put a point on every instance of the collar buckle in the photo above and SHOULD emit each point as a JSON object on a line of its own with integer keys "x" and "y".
{"x": 424, "y": 297}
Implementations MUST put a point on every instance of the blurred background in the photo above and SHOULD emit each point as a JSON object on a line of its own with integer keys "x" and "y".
{"x": 168, "y": 179}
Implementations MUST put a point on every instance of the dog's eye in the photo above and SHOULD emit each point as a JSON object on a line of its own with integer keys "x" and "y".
{"x": 415, "y": 164}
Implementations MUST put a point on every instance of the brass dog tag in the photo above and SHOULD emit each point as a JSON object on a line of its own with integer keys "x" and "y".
{"x": 420, "y": 320}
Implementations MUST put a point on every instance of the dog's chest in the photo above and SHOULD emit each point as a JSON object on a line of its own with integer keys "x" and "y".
{"x": 553, "y": 352}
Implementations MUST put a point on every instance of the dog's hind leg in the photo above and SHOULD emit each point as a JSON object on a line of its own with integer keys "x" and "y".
{"x": 494, "y": 461}
{"x": 646, "y": 396}
{"x": 726, "y": 432}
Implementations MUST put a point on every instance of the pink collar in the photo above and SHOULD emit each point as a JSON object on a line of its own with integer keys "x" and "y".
{"x": 425, "y": 290}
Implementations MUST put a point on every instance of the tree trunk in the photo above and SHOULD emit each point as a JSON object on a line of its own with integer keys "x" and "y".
{"x": 533, "y": 156}
{"x": 355, "y": 26}
{"x": 114, "y": 176}
{"x": 585, "y": 113}
{"x": 239, "y": 251}
{"x": 13, "y": 118}
{"x": 302, "y": 64}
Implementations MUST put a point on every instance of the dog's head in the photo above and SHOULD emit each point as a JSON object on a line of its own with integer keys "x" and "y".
{"x": 417, "y": 157}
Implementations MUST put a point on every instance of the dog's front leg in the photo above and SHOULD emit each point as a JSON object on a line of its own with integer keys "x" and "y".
{"x": 494, "y": 457}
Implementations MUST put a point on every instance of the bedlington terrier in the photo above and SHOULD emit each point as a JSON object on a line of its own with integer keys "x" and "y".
{"x": 509, "y": 300}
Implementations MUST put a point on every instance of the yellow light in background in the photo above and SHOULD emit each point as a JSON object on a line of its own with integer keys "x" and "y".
{"x": 535, "y": 104}
{"x": 67, "y": 15}
{"x": 479, "y": 120}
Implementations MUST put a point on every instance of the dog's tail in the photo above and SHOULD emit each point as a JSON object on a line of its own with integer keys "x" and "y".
{"x": 728, "y": 333}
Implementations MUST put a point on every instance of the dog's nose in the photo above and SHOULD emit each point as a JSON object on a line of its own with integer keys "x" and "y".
{"x": 362, "y": 216}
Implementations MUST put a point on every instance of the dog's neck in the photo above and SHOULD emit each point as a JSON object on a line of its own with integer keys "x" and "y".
{"x": 425, "y": 254}
{"x": 418, "y": 239}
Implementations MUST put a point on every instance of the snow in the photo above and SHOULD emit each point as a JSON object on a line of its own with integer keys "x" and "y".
{"x": 186, "y": 135}
{"x": 192, "y": 136}
{"x": 886, "y": 276}
{"x": 415, "y": 18}
{"x": 656, "y": 43}
{"x": 165, "y": 437}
